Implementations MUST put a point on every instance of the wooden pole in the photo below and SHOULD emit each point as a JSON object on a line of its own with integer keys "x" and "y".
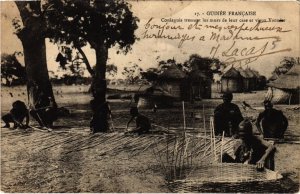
{"x": 211, "y": 137}
{"x": 183, "y": 112}
{"x": 204, "y": 123}
{"x": 214, "y": 138}
{"x": 222, "y": 142}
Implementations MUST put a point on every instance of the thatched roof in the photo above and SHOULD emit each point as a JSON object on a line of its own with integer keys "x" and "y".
{"x": 250, "y": 73}
{"x": 156, "y": 91}
{"x": 231, "y": 73}
{"x": 198, "y": 75}
{"x": 256, "y": 73}
{"x": 290, "y": 80}
{"x": 173, "y": 72}
{"x": 244, "y": 73}
{"x": 273, "y": 77}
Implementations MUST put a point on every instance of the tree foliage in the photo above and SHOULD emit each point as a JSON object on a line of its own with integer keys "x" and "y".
{"x": 11, "y": 69}
{"x": 111, "y": 70}
{"x": 132, "y": 73}
{"x": 83, "y": 22}
{"x": 78, "y": 22}
{"x": 195, "y": 61}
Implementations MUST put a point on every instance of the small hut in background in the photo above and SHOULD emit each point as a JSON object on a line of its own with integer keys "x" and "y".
{"x": 231, "y": 81}
{"x": 173, "y": 81}
{"x": 285, "y": 89}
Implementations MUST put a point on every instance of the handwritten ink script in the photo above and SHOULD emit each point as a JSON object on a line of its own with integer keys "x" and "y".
{"x": 237, "y": 40}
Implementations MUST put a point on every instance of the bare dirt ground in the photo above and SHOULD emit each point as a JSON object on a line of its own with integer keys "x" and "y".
{"x": 36, "y": 161}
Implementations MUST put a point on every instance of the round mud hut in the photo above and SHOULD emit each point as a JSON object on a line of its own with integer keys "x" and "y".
{"x": 173, "y": 81}
{"x": 232, "y": 81}
{"x": 285, "y": 89}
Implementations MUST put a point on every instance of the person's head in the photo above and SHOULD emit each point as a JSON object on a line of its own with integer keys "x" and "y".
{"x": 245, "y": 129}
{"x": 17, "y": 104}
{"x": 227, "y": 97}
{"x": 134, "y": 111}
{"x": 268, "y": 104}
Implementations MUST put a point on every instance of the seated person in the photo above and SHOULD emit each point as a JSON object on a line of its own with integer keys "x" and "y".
{"x": 17, "y": 115}
{"x": 227, "y": 117}
{"x": 45, "y": 111}
{"x": 252, "y": 150}
{"x": 272, "y": 121}
{"x": 143, "y": 124}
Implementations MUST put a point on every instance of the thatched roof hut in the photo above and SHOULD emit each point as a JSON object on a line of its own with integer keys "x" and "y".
{"x": 231, "y": 81}
{"x": 287, "y": 85}
{"x": 174, "y": 81}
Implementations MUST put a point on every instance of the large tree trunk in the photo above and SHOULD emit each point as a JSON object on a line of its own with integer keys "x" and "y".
{"x": 99, "y": 122}
{"x": 36, "y": 69}
{"x": 33, "y": 41}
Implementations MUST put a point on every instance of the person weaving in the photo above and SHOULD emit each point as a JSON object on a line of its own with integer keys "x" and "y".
{"x": 252, "y": 149}
{"x": 143, "y": 124}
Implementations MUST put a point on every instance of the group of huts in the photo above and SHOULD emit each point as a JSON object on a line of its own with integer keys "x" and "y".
{"x": 174, "y": 84}
{"x": 242, "y": 80}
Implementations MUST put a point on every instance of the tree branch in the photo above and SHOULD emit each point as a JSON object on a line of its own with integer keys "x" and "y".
{"x": 86, "y": 61}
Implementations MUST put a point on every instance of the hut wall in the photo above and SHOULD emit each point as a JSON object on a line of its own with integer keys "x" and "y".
{"x": 295, "y": 98}
{"x": 173, "y": 87}
{"x": 206, "y": 90}
{"x": 252, "y": 84}
{"x": 185, "y": 92}
{"x": 200, "y": 90}
{"x": 231, "y": 85}
{"x": 246, "y": 85}
{"x": 196, "y": 90}
{"x": 285, "y": 96}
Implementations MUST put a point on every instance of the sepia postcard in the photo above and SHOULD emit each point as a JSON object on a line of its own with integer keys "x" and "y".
{"x": 129, "y": 96}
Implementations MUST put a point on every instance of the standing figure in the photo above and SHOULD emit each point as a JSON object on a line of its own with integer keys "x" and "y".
{"x": 143, "y": 124}
{"x": 271, "y": 122}
{"x": 252, "y": 150}
{"x": 227, "y": 117}
{"x": 16, "y": 115}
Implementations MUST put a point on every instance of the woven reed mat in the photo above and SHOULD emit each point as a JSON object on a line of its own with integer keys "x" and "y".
{"x": 226, "y": 177}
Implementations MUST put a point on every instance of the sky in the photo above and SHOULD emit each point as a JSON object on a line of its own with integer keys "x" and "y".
{"x": 148, "y": 51}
